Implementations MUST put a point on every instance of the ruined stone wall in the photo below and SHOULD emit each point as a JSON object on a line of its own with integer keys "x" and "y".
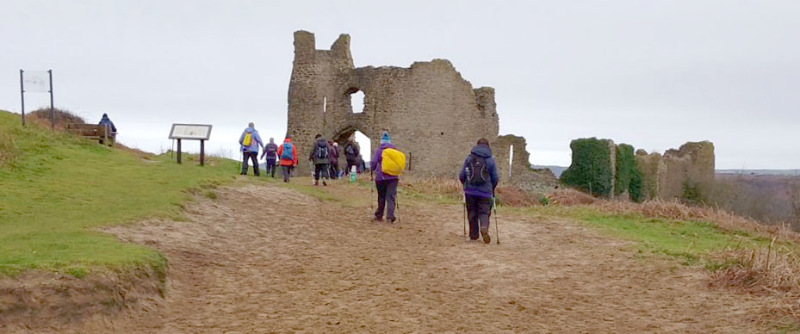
{"x": 667, "y": 176}
{"x": 429, "y": 110}
{"x": 522, "y": 175}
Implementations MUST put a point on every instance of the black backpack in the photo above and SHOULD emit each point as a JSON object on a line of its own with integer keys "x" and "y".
{"x": 477, "y": 171}
{"x": 350, "y": 151}
{"x": 322, "y": 151}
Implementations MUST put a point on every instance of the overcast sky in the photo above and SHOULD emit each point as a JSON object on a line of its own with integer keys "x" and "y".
{"x": 654, "y": 74}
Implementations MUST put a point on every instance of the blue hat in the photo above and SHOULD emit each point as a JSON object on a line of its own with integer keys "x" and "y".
{"x": 385, "y": 138}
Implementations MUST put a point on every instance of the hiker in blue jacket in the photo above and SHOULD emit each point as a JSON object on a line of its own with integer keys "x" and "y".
{"x": 479, "y": 177}
{"x": 250, "y": 151}
{"x": 386, "y": 184}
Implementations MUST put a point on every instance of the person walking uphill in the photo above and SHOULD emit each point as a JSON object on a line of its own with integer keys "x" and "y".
{"x": 288, "y": 155}
{"x": 479, "y": 177}
{"x": 250, "y": 141}
{"x": 271, "y": 152}
{"x": 320, "y": 155}
{"x": 387, "y": 163}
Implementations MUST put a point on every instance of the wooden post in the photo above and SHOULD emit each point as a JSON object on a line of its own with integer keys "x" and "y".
{"x": 179, "y": 150}
{"x": 203, "y": 153}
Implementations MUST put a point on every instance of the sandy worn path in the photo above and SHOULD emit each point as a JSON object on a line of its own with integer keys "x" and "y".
{"x": 298, "y": 264}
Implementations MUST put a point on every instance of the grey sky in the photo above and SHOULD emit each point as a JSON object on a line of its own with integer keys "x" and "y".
{"x": 653, "y": 74}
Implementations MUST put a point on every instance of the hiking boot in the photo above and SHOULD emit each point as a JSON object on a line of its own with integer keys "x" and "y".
{"x": 391, "y": 220}
{"x": 324, "y": 184}
{"x": 485, "y": 235}
{"x": 316, "y": 182}
{"x": 377, "y": 219}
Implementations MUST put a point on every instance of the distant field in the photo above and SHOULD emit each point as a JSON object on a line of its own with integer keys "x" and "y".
{"x": 57, "y": 188}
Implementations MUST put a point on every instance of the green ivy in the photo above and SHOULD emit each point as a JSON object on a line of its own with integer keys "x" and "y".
{"x": 590, "y": 170}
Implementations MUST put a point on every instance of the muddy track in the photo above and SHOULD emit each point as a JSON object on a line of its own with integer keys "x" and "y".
{"x": 294, "y": 263}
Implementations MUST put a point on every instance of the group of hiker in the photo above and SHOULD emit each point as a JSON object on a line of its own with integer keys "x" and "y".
{"x": 324, "y": 155}
{"x": 478, "y": 174}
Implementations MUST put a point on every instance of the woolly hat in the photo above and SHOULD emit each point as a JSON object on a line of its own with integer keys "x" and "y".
{"x": 385, "y": 138}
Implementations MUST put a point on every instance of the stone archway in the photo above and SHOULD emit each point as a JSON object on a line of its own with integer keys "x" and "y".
{"x": 343, "y": 136}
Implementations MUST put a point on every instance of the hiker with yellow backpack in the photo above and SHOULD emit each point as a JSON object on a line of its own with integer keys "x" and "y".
{"x": 250, "y": 141}
{"x": 388, "y": 164}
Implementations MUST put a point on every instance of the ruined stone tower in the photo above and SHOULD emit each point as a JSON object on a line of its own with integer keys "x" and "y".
{"x": 431, "y": 113}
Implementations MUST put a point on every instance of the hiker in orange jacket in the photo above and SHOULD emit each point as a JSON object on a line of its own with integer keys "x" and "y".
{"x": 288, "y": 155}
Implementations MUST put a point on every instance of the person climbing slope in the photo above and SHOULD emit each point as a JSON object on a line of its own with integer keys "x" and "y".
{"x": 250, "y": 142}
{"x": 386, "y": 181}
{"x": 479, "y": 177}
{"x": 320, "y": 156}
{"x": 288, "y": 155}
{"x": 271, "y": 152}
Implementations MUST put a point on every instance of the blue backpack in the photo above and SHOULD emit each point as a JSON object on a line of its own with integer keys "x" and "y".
{"x": 287, "y": 152}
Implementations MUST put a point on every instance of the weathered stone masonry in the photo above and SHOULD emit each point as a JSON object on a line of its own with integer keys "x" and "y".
{"x": 430, "y": 111}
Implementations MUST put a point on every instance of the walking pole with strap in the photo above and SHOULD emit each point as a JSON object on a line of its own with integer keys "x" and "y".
{"x": 494, "y": 207}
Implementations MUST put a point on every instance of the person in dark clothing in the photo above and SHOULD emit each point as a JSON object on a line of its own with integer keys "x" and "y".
{"x": 479, "y": 177}
{"x": 271, "y": 152}
{"x": 320, "y": 154}
{"x": 112, "y": 130}
{"x": 333, "y": 169}
{"x": 386, "y": 184}
{"x": 351, "y": 153}
{"x": 250, "y": 150}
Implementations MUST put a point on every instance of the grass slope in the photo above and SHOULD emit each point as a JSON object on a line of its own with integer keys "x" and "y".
{"x": 55, "y": 189}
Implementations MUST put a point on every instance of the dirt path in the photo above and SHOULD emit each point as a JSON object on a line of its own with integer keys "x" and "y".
{"x": 294, "y": 263}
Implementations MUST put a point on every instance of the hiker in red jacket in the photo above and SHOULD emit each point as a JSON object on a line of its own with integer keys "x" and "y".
{"x": 288, "y": 154}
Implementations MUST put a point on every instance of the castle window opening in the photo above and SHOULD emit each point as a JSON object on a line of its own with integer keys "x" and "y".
{"x": 357, "y": 101}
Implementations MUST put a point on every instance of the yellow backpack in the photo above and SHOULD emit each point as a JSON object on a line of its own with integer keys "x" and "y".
{"x": 393, "y": 162}
{"x": 248, "y": 139}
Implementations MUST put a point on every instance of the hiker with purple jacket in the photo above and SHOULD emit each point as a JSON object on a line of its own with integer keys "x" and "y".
{"x": 333, "y": 159}
{"x": 386, "y": 184}
{"x": 479, "y": 177}
{"x": 271, "y": 152}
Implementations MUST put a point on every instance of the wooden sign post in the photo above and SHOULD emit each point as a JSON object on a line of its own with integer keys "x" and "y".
{"x": 199, "y": 132}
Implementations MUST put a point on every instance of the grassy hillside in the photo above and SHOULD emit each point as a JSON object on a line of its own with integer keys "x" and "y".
{"x": 55, "y": 189}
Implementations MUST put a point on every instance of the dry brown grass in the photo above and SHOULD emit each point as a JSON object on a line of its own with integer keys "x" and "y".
{"x": 772, "y": 272}
{"x": 451, "y": 188}
{"x": 569, "y": 197}
{"x": 62, "y": 117}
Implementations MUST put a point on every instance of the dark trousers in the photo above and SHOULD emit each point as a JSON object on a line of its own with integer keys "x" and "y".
{"x": 253, "y": 156}
{"x": 320, "y": 170}
{"x": 350, "y": 164}
{"x": 271, "y": 167}
{"x": 387, "y": 197}
{"x": 287, "y": 172}
{"x": 478, "y": 209}
{"x": 334, "y": 171}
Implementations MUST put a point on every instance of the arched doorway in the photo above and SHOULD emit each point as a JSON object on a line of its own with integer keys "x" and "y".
{"x": 364, "y": 144}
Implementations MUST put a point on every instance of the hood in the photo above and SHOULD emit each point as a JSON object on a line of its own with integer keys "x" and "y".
{"x": 251, "y": 130}
{"x": 287, "y": 140}
{"x": 321, "y": 141}
{"x": 387, "y": 145}
{"x": 482, "y": 151}
{"x": 272, "y": 140}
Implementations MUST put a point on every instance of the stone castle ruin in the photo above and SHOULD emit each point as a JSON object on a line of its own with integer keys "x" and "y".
{"x": 431, "y": 113}
{"x": 669, "y": 175}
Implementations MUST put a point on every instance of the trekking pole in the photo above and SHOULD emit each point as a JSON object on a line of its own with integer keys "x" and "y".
{"x": 397, "y": 205}
{"x": 371, "y": 194}
{"x": 465, "y": 217}
{"x": 496, "y": 229}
